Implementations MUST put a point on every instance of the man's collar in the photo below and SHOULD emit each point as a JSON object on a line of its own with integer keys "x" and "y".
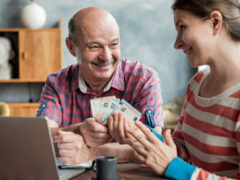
{"x": 82, "y": 84}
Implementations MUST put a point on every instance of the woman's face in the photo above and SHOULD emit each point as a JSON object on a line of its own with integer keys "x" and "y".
{"x": 193, "y": 37}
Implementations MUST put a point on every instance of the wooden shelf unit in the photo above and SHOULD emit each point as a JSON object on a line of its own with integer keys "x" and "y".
{"x": 38, "y": 53}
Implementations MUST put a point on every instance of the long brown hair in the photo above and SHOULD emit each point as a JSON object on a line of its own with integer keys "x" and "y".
{"x": 230, "y": 10}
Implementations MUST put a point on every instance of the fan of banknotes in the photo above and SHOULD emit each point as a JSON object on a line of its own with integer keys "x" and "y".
{"x": 104, "y": 107}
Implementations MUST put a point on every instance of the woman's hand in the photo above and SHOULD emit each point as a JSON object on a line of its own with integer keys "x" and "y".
{"x": 149, "y": 150}
{"x": 117, "y": 125}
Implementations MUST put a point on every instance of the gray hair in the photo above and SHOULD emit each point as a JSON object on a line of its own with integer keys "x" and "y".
{"x": 71, "y": 30}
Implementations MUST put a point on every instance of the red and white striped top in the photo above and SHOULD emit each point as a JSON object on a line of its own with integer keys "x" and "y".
{"x": 208, "y": 131}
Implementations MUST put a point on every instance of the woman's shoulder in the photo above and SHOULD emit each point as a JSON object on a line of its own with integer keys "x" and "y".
{"x": 198, "y": 77}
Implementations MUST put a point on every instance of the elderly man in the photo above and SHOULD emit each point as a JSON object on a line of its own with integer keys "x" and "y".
{"x": 95, "y": 41}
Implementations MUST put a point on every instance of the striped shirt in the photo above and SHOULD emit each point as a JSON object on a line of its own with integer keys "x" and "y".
{"x": 208, "y": 131}
{"x": 65, "y": 97}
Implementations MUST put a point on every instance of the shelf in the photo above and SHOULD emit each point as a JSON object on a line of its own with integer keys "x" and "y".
{"x": 23, "y": 104}
{"x": 38, "y": 53}
{"x": 23, "y": 109}
{"x": 21, "y": 81}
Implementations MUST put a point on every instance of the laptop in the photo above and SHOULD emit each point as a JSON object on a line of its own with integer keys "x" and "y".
{"x": 27, "y": 152}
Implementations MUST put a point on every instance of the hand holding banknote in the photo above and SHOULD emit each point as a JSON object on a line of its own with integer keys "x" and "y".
{"x": 118, "y": 115}
{"x": 94, "y": 133}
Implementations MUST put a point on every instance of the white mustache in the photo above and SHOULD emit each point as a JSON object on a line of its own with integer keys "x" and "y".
{"x": 103, "y": 63}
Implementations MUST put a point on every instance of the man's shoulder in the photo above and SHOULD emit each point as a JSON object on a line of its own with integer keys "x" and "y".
{"x": 64, "y": 74}
{"x": 136, "y": 68}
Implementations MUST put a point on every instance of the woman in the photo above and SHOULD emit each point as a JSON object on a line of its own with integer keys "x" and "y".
{"x": 207, "y": 136}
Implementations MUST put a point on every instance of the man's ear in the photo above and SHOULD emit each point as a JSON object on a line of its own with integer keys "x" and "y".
{"x": 70, "y": 46}
{"x": 217, "y": 21}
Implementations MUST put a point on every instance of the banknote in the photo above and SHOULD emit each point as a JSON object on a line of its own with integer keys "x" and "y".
{"x": 114, "y": 103}
{"x": 99, "y": 106}
{"x": 104, "y": 107}
{"x": 129, "y": 111}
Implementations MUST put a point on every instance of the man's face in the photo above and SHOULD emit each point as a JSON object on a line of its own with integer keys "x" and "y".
{"x": 98, "y": 51}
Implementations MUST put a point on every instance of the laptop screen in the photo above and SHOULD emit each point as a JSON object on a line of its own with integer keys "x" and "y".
{"x": 26, "y": 149}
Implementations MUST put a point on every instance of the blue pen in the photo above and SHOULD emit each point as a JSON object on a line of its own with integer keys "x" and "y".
{"x": 150, "y": 118}
{"x": 151, "y": 124}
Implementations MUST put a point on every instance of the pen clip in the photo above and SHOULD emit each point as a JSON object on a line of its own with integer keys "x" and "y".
{"x": 150, "y": 118}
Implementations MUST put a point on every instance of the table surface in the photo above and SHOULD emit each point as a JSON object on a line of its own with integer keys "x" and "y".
{"x": 126, "y": 171}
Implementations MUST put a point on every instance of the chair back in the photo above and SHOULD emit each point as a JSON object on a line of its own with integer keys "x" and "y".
{"x": 4, "y": 109}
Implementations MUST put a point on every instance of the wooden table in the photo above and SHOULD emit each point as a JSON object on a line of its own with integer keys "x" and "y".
{"x": 127, "y": 171}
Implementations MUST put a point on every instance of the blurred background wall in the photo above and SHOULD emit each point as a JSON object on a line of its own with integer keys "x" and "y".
{"x": 147, "y": 35}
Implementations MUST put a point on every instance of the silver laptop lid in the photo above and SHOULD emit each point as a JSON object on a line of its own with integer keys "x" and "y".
{"x": 26, "y": 149}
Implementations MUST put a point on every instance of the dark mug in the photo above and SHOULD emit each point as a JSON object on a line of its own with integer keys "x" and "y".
{"x": 105, "y": 168}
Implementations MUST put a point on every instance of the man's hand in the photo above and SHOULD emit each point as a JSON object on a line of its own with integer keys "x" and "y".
{"x": 71, "y": 148}
{"x": 117, "y": 125}
{"x": 94, "y": 133}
